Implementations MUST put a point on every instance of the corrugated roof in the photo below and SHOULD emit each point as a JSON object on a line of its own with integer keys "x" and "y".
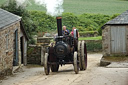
{"x": 7, "y": 18}
{"x": 121, "y": 19}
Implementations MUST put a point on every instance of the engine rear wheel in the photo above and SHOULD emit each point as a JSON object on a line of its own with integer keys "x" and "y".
{"x": 54, "y": 68}
{"x": 46, "y": 65}
{"x": 79, "y": 55}
{"x": 84, "y": 55}
{"x": 76, "y": 65}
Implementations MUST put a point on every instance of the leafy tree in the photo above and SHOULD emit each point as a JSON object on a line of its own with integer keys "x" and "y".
{"x": 69, "y": 20}
{"x": 43, "y": 22}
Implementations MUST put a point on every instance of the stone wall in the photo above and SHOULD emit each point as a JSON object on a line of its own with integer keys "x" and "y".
{"x": 106, "y": 41}
{"x": 34, "y": 54}
{"x": 88, "y": 34}
{"x": 7, "y": 48}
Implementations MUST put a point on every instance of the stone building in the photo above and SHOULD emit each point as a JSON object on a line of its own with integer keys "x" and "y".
{"x": 13, "y": 42}
{"x": 115, "y": 36}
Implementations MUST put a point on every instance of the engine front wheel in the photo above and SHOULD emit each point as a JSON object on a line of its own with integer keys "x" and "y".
{"x": 46, "y": 65}
{"x": 76, "y": 65}
{"x": 54, "y": 68}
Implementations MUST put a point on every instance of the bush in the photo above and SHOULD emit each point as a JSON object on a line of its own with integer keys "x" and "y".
{"x": 84, "y": 22}
{"x": 93, "y": 21}
{"x": 43, "y": 22}
{"x": 100, "y": 31}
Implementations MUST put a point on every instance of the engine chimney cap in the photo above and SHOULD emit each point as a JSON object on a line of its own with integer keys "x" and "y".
{"x": 58, "y": 17}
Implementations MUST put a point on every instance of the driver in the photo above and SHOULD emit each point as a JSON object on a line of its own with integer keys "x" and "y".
{"x": 65, "y": 31}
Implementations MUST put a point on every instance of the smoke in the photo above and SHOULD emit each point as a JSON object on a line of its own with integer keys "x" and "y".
{"x": 22, "y": 3}
{"x": 53, "y": 7}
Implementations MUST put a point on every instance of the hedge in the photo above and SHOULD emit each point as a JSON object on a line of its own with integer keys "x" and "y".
{"x": 88, "y": 33}
{"x": 94, "y": 45}
{"x": 84, "y": 22}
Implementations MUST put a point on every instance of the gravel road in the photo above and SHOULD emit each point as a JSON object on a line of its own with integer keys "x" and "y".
{"x": 94, "y": 75}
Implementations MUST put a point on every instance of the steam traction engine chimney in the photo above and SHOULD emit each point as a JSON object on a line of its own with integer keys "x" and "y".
{"x": 59, "y": 25}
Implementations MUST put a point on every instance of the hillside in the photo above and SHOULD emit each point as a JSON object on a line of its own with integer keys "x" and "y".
{"x": 108, "y": 7}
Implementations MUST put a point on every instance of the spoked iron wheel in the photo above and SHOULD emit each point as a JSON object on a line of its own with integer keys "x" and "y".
{"x": 54, "y": 68}
{"x": 84, "y": 55}
{"x": 76, "y": 65}
{"x": 46, "y": 65}
{"x": 79, "y": 55}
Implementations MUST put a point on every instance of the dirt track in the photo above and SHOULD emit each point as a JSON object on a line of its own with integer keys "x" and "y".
{"x": 94, "y": 75}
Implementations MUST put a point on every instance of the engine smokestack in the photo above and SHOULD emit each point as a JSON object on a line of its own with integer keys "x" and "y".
{"x": 59, "y": 25}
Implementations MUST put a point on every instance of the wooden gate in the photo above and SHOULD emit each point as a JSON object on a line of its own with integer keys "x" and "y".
{"x": 118, "y": 39}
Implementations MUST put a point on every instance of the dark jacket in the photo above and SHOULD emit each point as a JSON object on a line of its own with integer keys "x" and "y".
{"x": 65, "y": 32}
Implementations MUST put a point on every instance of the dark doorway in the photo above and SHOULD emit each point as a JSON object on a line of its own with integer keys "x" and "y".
{"x": 15, "y": 58}
{"x": 22, "y": 49}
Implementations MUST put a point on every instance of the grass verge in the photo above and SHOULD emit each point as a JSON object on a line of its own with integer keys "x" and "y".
{"x": 91, "y": 38}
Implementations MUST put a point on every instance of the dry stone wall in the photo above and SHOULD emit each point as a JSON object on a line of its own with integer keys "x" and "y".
{"x": 34, "y": 55}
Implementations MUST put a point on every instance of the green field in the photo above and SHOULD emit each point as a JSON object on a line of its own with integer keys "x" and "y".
{"x": 91, "y": 38}
{"x": 108, "y": 7}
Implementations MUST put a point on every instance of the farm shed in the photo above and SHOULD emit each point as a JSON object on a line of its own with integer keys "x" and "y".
{"x": 13, "y": 42}
{"x": 115, "y": 36}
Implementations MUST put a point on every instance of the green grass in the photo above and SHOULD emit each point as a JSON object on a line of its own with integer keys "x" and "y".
{"x": 88, "y": 32}
{"x": 96, "y": 6}
{"x": 2, "y": 1}
{"x": 91, "y": 38}
{"x": 107, "y": 7}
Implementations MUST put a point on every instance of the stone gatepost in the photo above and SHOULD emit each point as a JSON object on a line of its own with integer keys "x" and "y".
{"x": 43, "y": 50}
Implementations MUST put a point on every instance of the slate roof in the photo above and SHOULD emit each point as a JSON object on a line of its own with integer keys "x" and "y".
{"x": 7, "y": 18}
{"x": 119, "y": 20}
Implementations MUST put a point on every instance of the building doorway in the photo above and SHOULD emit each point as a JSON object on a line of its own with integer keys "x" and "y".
{"x": 15, "y": 58}
{"x": 22, "y": 49}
